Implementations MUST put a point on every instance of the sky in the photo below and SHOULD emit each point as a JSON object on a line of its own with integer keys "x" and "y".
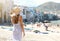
{"x": 33, "y": 3}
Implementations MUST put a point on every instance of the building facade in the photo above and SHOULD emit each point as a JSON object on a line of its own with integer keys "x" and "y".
{"x": 5, "y": 7}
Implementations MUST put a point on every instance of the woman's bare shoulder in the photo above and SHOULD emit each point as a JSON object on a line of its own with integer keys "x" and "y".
{"x": 20, "y": 18}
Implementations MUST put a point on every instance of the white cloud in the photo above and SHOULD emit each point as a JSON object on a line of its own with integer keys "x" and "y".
{"x": 32, "y": 2}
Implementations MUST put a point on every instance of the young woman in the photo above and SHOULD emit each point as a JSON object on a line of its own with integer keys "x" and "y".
{"x": 17, "y": 22}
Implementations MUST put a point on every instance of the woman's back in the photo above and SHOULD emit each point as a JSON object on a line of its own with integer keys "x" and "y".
{"x": 14, "y": 19}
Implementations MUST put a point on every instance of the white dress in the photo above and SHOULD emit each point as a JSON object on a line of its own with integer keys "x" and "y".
{"x": 17, "y": 32}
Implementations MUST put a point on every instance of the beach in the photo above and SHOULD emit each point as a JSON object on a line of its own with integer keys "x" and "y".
{"x": 52, "y": 35}
{"x": 40, "y": 18}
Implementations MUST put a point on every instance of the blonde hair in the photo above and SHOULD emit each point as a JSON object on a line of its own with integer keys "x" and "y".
{"x": 15, "y": 14}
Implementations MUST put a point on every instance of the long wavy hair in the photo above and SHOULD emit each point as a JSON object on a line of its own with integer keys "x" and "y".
{"x": 15, "y": 15}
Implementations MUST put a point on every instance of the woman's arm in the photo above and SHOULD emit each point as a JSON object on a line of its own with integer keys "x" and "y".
{"x": 21, "y": 23}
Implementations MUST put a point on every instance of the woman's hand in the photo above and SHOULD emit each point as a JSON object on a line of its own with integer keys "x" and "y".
{"x": 23, "y": 34}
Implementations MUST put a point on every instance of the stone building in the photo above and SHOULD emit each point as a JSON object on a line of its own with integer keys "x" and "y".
{"x": 5, "y": 7}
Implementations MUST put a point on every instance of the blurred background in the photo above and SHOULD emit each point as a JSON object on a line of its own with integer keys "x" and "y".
{"x": 32, "y": 11}
{"x": 41, "y": 19}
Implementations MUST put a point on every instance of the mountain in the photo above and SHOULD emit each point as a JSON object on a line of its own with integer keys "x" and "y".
{"x": 49, "y": 6}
